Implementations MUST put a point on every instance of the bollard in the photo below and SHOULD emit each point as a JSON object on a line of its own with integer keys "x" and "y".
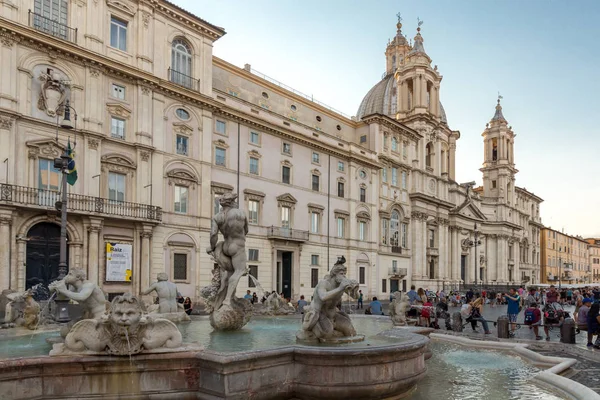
{"x": 567, "y": 331}
{"x": 457, "y": 325}
{"x": 503, "y": 327}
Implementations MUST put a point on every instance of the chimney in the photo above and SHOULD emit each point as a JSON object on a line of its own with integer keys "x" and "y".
{"x": 247, "y": 67}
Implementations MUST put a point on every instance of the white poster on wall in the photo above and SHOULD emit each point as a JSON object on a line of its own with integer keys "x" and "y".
{"x": 118, "y": 262}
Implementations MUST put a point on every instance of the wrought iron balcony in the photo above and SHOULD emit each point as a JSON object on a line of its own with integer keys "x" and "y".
{"x": 399, "y": 272}
{"x": 276, "y": 232}
{"x": 183, "y": 80}
{"x": 52, "y": 27}
{"x": 77, "y": 203}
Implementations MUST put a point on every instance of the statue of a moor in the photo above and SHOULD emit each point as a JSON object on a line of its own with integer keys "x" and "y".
{"x": 323, "y": 321}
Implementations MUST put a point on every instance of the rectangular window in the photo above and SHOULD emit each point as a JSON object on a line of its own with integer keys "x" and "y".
{"x": 403, "y": 179}
{"x": 253, "y": 166}
{"x": 118, "y": 92}
{"x": 221, "y": 127}
{"x": 384, "y": 231}
{"x": 314, "y": 259}
{"x": 362, "y": 230}
{"x": 361, "y": 275}
{"x": 253, "y": 212}
{"x": 493, "y": 184}
{"x": 219, "y": 156}
{"x": 117, "y": 128}
{"x": 285, "y": 175}
{"x": 287, "y": 148}
{"x": 341, "y": 166}
{"x": 118, "y": 33}
{"x": 340, "y": 189}
{"x": 363, "y": 195}
{"x": 49, "y": 177}
{"x": 254, "y": 138}
{"x": 314, "y": 277}
{"x": 315, "y": 183}
{"x": 395, "y": 266}
{"x": 116, "y": 186}
{"x": 180, "y": 266}
{"x": 340, "y": 227}
{"x": 431, "y": 238}
{"x": 181, "y": 199}
{"x": 182, "y": 145}
{"x": 404, "y": 149}
{"x": 384, "y": 174}
{"x": 254, "y": 272}
{"x": 285, "y": 217}
{"x": 395, "y": 176}
{"x": 363, "y": 139}
{"x": 384, "y": 285}
{"x": 314, "y": 222}
{"x": 404, "y": 228}
{"x": 315, "y": 157}
{"x": 252, "y": 254}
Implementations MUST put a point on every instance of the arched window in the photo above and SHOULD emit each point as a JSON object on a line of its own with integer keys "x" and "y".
{"x": 393, "y": 62}
{"x": 394, "y": 229}
{"x": 429, "y": 155}
{"x": 181, "y": 63}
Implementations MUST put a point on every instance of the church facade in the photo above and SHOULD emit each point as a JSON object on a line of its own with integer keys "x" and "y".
{"x": 163, "y": 128}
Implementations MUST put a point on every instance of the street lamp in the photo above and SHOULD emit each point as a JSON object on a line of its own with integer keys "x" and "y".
{"x": 559, "y": 266}
{"x": 62, "y": 164}
{"x": 474, "y": 243}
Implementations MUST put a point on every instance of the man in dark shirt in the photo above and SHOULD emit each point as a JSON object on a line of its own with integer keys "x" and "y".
{"x": 552, "y": 295}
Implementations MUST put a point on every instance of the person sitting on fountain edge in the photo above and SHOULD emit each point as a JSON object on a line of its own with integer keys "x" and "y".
{"x": 248, "y": 296}
{"x": 376, "y": 308}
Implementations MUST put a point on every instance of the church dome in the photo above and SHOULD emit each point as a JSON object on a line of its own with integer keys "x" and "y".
{"x": 381, "y": 99}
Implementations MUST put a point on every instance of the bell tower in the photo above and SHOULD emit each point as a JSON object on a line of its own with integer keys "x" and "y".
{"x": 498, "y": 159}
{"x": 396, "y": 49}
{"x": 418, "y": 83}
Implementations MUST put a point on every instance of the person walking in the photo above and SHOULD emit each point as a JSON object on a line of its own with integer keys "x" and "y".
{"x": 514, "y": 303}
{"x": 301, "y": 304}
{"x": 360, "y": 300}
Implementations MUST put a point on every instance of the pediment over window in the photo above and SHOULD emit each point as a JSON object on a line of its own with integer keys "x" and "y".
{"x": 343, "y": 213}
{"x": 45, "y": 149}
{"x": 286, "y": 163}
{"x": 287, "y": 198}
{"x": 182, "y": 128}
{"x": 469, "y": 209}
{"x": 221, "y": 143}
{"x": 315, "y": 172}
{"x": 181, "y": 177}
{"x": 118, "y": 110}
{"x": 315, "y": 207}
{"x": 254, "y": 195}
{"x": 220, "y": 188}
{"x": 118, "y": 159}
{"x": 363, "y": 215}
{"x": 122, "y": 6}
{"x": 254, "y": 153}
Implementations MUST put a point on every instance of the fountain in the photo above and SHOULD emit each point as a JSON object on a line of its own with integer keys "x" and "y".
{"x": 167, "y": 307}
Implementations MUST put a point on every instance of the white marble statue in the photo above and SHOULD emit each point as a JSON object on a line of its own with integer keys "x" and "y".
{"x": 398, "y": 308}
{"x": 323, "y": 321}
{"x": 123, "y": 331}
{"x": 228, "y": 312}
{"x": 167, "y": 306}
{"x": 87, "y": 294}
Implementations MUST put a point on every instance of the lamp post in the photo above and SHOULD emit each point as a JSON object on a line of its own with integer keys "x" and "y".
{"x": 474, "y": 243}
{"x": 62, "y": 164}
{"x": 559, "y": 266}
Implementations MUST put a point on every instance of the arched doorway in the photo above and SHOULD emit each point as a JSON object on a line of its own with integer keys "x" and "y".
{"x": 43, "y": 254}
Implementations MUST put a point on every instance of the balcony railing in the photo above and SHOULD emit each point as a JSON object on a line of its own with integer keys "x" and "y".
{"x": 397, "y": 249}
{"x": 395, "y": 271}
{"x": 52, "y": 27}
{"x": 276, "y": 232}
{"x": 183, "y": 80}
{"x": 46, "y": 199}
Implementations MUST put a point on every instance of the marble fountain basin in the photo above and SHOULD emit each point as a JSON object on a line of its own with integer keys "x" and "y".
{"x": 261, "y": 361}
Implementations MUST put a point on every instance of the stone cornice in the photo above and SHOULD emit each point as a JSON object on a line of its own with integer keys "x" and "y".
{"x": 393, "y": 125}
{"x": 57, "y": 48}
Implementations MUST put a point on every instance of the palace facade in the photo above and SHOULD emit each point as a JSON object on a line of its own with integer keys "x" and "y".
{"x": 163, "y": 128}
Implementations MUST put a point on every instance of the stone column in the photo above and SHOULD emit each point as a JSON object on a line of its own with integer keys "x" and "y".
{"x": 5, "y": 222}
{"x": 424, "y": 244}
{"x": 144, "y": 276}
{"x": 401, "y": 97}
{"x": 19, "y": 271}
{"x": 273, "y": 268}
{"x": 452, "y": 166}
{"x": 416, "y": 244}
{"x": 93, "y": 251}
{"x": 444, "y": 249}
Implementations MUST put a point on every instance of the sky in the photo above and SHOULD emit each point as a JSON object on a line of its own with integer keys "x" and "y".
{"x": 542, "y": 56}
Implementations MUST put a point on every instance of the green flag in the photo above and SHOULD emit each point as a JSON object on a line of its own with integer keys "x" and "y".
{"x": 72, "y": 175}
